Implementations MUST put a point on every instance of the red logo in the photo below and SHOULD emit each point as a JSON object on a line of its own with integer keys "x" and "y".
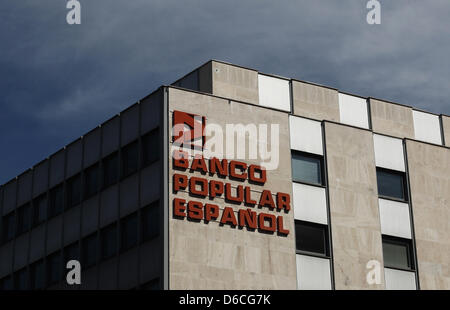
{"x": 188, "y": 130}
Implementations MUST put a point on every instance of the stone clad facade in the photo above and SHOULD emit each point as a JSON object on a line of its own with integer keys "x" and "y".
{"x": 358, "y": 197}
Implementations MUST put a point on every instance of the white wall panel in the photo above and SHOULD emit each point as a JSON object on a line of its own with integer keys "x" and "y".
{"x": 427, "y": 127}
{"x": 313, "y": 273}
{"x": 399, "y": 279}
{"x": 389, "y": 153}
{"x": 310, "y": 203}
{"x": 306, "y": 135}
{"x": 353, "y": 111}
{"x": 394, "y": 218}
{"x": 274, "y": 92}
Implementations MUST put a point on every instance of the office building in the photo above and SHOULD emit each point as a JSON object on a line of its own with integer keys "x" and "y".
{"x": 324, "y": 190}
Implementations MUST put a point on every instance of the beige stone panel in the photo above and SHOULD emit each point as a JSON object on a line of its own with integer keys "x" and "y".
{"x": 355, "y": 222}
{"x": 235, "y": 82}
{"x": 446, "y": 129}
{"x": 214, "y": 256}
{"x": 391, "y": 119}
{"x": 429, "y": 174}
{"x": 315, "y": 101}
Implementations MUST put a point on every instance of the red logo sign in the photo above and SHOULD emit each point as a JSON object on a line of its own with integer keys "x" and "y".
{"x": 188, "y": 130}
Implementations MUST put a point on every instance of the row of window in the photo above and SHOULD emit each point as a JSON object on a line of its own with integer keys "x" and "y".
{"x": 82, "y": 186}
{"x": 99, "y": 246}
{"x": 309, "y": 168}
{"x": 312, "y": 239}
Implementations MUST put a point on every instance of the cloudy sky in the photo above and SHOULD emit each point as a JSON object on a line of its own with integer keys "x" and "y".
{"x": 58, "y": 81}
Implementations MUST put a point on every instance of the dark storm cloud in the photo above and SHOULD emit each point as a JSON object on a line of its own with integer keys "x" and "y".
{"x": 59, "y": 81}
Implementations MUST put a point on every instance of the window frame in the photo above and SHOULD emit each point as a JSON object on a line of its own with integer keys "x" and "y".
{"x": 405, "y": 190}
{"x": 32, "y": 275}
{"x": 124, "y": 174}
{"x": 51, "y": 210}
{"x": 22, "y": 217}
{"x": 35, "y": 202}
{"x": 327, "y": 245}
{"x": 155, "y": 205}
{"x": 69, "y": 189}
{"x": 145, "y": 139}
{"x": 48, "y": 266}
{"x": 87, "y": 172}
{"x": 92, "y": 237}
{"x": 106, "y": 161}
{"x": 12, "y": 220}
{"x": 409, "y": 251}
{"x": 103, "y": 232}
{"x": 321, "y": 160}
{"x": 121, "y": 231}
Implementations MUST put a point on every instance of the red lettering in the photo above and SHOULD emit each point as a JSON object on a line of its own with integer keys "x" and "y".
{"x": 179, "y": 207}
{"x": 215, "y": 188}
{"x": 199, "y": 164}
{"x": 283, "y": 201}
{"x": 180, "y": 159}
{"x": 247, "y": 218}
{"x": 180, "y": 181}
{"x": 281, "y": 229}
{"x": 211, "y": 212}
{"x": 195, "y": 210}
{"x": 219, "y": 167}
{"x": 262, "y": 172}
{"x": 198, "y": 181}
{"x": 239, "y": 193}
{"x": 241, "y": 166}
{"x": 263, "y": 217}
{"x": 228, "y": 217}
{"x": 266, "y": 199}
{"x": 248, "y": 198}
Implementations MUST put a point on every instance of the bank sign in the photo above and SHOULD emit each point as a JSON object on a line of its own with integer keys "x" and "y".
{"x": 250, "y": 203}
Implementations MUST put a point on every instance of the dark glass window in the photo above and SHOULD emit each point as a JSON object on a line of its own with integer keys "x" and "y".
{"x": 89, "y": 251}
{"x": 8, "y": 227}
{"x": 39, "y": 209}
{"x": 128, "y": 232}
{"x": 307, "y": 168}
{"x": 111, "y": 169}
{"x": 20, "y": 279}
{"x": 56, "y": 201}
{"x": 37, "y": 275}
{"x": 54, "y": 268}
{"x": 397, "y": 253}
{"x": 6, "y": 284}
{"x": 92, "y": 180}
{"x": 71, "y": 252}
{"x": 130, "y": 159}
{"x": 391, "y": 184}
{"x": 109, "y": 241}
{"x": 311, "y": 238}
{"x": 74, "y": 191}
{"x": 150, "y": 147}
{"x": 150, "y": 221}
{"x": 151, "y": 285}
{"x": 24, "y": 218}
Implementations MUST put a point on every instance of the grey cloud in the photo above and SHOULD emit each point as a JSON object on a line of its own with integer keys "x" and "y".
{"x": 61, "y": 80}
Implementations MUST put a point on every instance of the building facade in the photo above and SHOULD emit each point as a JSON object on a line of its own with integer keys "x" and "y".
{"x": 234, "y": 179}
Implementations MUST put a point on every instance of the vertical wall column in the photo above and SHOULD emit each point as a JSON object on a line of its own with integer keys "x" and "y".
{"x": 393, "y": 201}
{"x": 313, "y": 254}
{"x": 354, "y": 215}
